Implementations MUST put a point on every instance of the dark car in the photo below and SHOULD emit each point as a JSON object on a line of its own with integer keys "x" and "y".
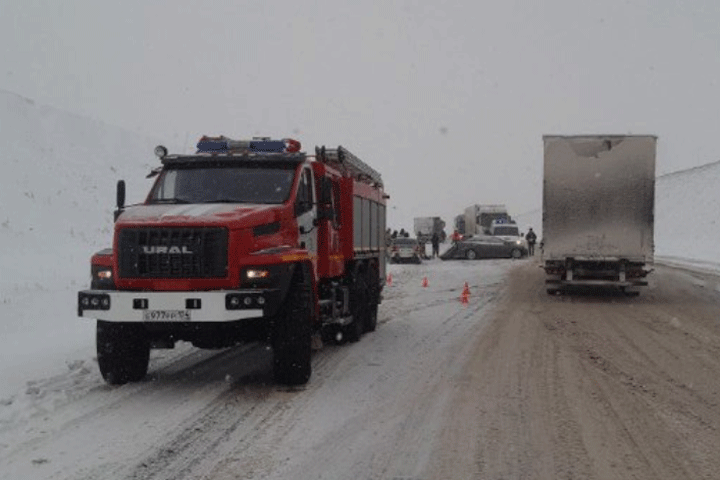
{"x": 403, "y": 249}
{"x": 487, "y": 247}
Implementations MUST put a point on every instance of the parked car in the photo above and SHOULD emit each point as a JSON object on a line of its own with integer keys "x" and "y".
{"x": 406, "y": 250}
{"x": 486, "y": 246}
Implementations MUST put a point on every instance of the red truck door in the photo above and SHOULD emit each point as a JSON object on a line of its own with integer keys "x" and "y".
{"x": 306, "y": 213}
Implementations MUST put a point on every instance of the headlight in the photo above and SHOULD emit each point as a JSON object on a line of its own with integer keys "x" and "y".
{"x": 101, "y": 277}
{"x": 104, "y": 274}
{"x": 256, "y": 274}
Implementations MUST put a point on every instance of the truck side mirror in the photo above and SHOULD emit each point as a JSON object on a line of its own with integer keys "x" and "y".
{"x": 120, "y": 198}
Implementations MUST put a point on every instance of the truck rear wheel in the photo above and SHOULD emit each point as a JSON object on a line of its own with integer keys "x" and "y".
{"x": 358, "y": 308}
{"x": 123, "y": 351}
{"x": 373, "y": 301}
{"x": 292, "y": 336}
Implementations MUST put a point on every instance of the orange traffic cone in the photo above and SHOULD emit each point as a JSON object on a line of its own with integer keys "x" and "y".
{"x": 389, "y": 279}
{"x": 425, "y": 282}
{"x": 465, "y": 295}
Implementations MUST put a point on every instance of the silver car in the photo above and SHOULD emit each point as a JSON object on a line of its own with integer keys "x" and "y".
{"x": 487, "y": 247}
{"x": 405, "y": 250}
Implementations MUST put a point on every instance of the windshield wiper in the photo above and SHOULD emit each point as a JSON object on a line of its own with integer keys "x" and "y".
{"x": 223, "y": 200}
{"x": 170, "y": 200}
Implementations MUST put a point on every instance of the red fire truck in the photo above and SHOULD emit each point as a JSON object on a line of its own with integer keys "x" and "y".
{"x": 243, "y": 241}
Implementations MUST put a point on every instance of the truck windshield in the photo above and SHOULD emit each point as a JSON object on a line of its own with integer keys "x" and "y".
{"x": 506, "y": 231}
{"x": 223, "y": 184}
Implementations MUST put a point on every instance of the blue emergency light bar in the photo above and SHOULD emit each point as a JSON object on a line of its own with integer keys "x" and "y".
{"x": 226, "y": 145}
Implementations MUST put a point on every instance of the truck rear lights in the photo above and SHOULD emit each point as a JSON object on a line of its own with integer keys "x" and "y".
{"x": 94, "y": 301}
{"x": 239, "y": 301}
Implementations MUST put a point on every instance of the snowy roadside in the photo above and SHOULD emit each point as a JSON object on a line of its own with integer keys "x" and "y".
{"x": 698, "y": 266}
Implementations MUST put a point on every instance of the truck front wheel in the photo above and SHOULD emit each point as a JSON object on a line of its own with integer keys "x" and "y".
{"x": 123, "y": 351}
{"x": 292, "y": 336}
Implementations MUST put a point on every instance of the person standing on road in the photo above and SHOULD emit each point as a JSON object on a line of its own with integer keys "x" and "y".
{"x": 435, "y": 240}
{"x": 456, "y": 237}
{"x": 531, "y": 239}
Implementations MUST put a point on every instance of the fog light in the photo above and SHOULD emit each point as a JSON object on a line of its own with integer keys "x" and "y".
{"x": 261, "y": 300}
{"x": 247, "y": 301}
{"x": 85, "y": 302}
{"x": 234, "y": 301}
{"x": 106, "y": 302}
{"x": 94, "y": 302}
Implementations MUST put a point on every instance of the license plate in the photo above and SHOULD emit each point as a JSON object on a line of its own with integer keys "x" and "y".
{"x": 166, "y": 315}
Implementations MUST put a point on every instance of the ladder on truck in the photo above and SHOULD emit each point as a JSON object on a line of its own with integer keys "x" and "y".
{"x": 348, "y": 163}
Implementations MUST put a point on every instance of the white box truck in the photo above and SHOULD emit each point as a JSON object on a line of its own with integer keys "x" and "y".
{"x": 598, "y": 211}
{"x": 479, "y": 218}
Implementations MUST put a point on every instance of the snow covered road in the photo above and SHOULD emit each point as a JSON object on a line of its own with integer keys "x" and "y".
{"x": 515, "y": 384}
{"x": 372, "y": 409}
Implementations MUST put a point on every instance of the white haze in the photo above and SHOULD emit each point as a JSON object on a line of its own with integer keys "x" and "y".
{"x": 447, "y": 99}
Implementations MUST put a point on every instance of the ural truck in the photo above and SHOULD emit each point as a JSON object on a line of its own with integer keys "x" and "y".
{"x": 598, "y": 211}
{"x": 243, "y": 241}
{"x": 425, "y": 227}
{"x": 479, "y": 218}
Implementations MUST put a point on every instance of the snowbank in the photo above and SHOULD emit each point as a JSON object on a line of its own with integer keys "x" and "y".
{"x": 57, "y": 194}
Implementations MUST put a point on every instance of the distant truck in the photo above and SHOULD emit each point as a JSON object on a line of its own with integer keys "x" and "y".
{"x": 479, "y": 218}
{"x": 425, "y": 227}
{"x": 598, "y": 211}
{"x": 459, "y": 224}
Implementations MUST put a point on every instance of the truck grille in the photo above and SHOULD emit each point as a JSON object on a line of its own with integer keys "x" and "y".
{"x": 173, "y": 252}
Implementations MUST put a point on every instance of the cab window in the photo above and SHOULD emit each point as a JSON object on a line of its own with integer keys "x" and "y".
{"x": 304, "y": 200}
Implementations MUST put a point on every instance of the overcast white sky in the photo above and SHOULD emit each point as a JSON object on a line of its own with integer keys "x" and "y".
{"x": 448, "y": 100}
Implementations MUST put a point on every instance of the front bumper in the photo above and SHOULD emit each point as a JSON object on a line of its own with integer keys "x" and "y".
{"x": 187, "y": 306}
